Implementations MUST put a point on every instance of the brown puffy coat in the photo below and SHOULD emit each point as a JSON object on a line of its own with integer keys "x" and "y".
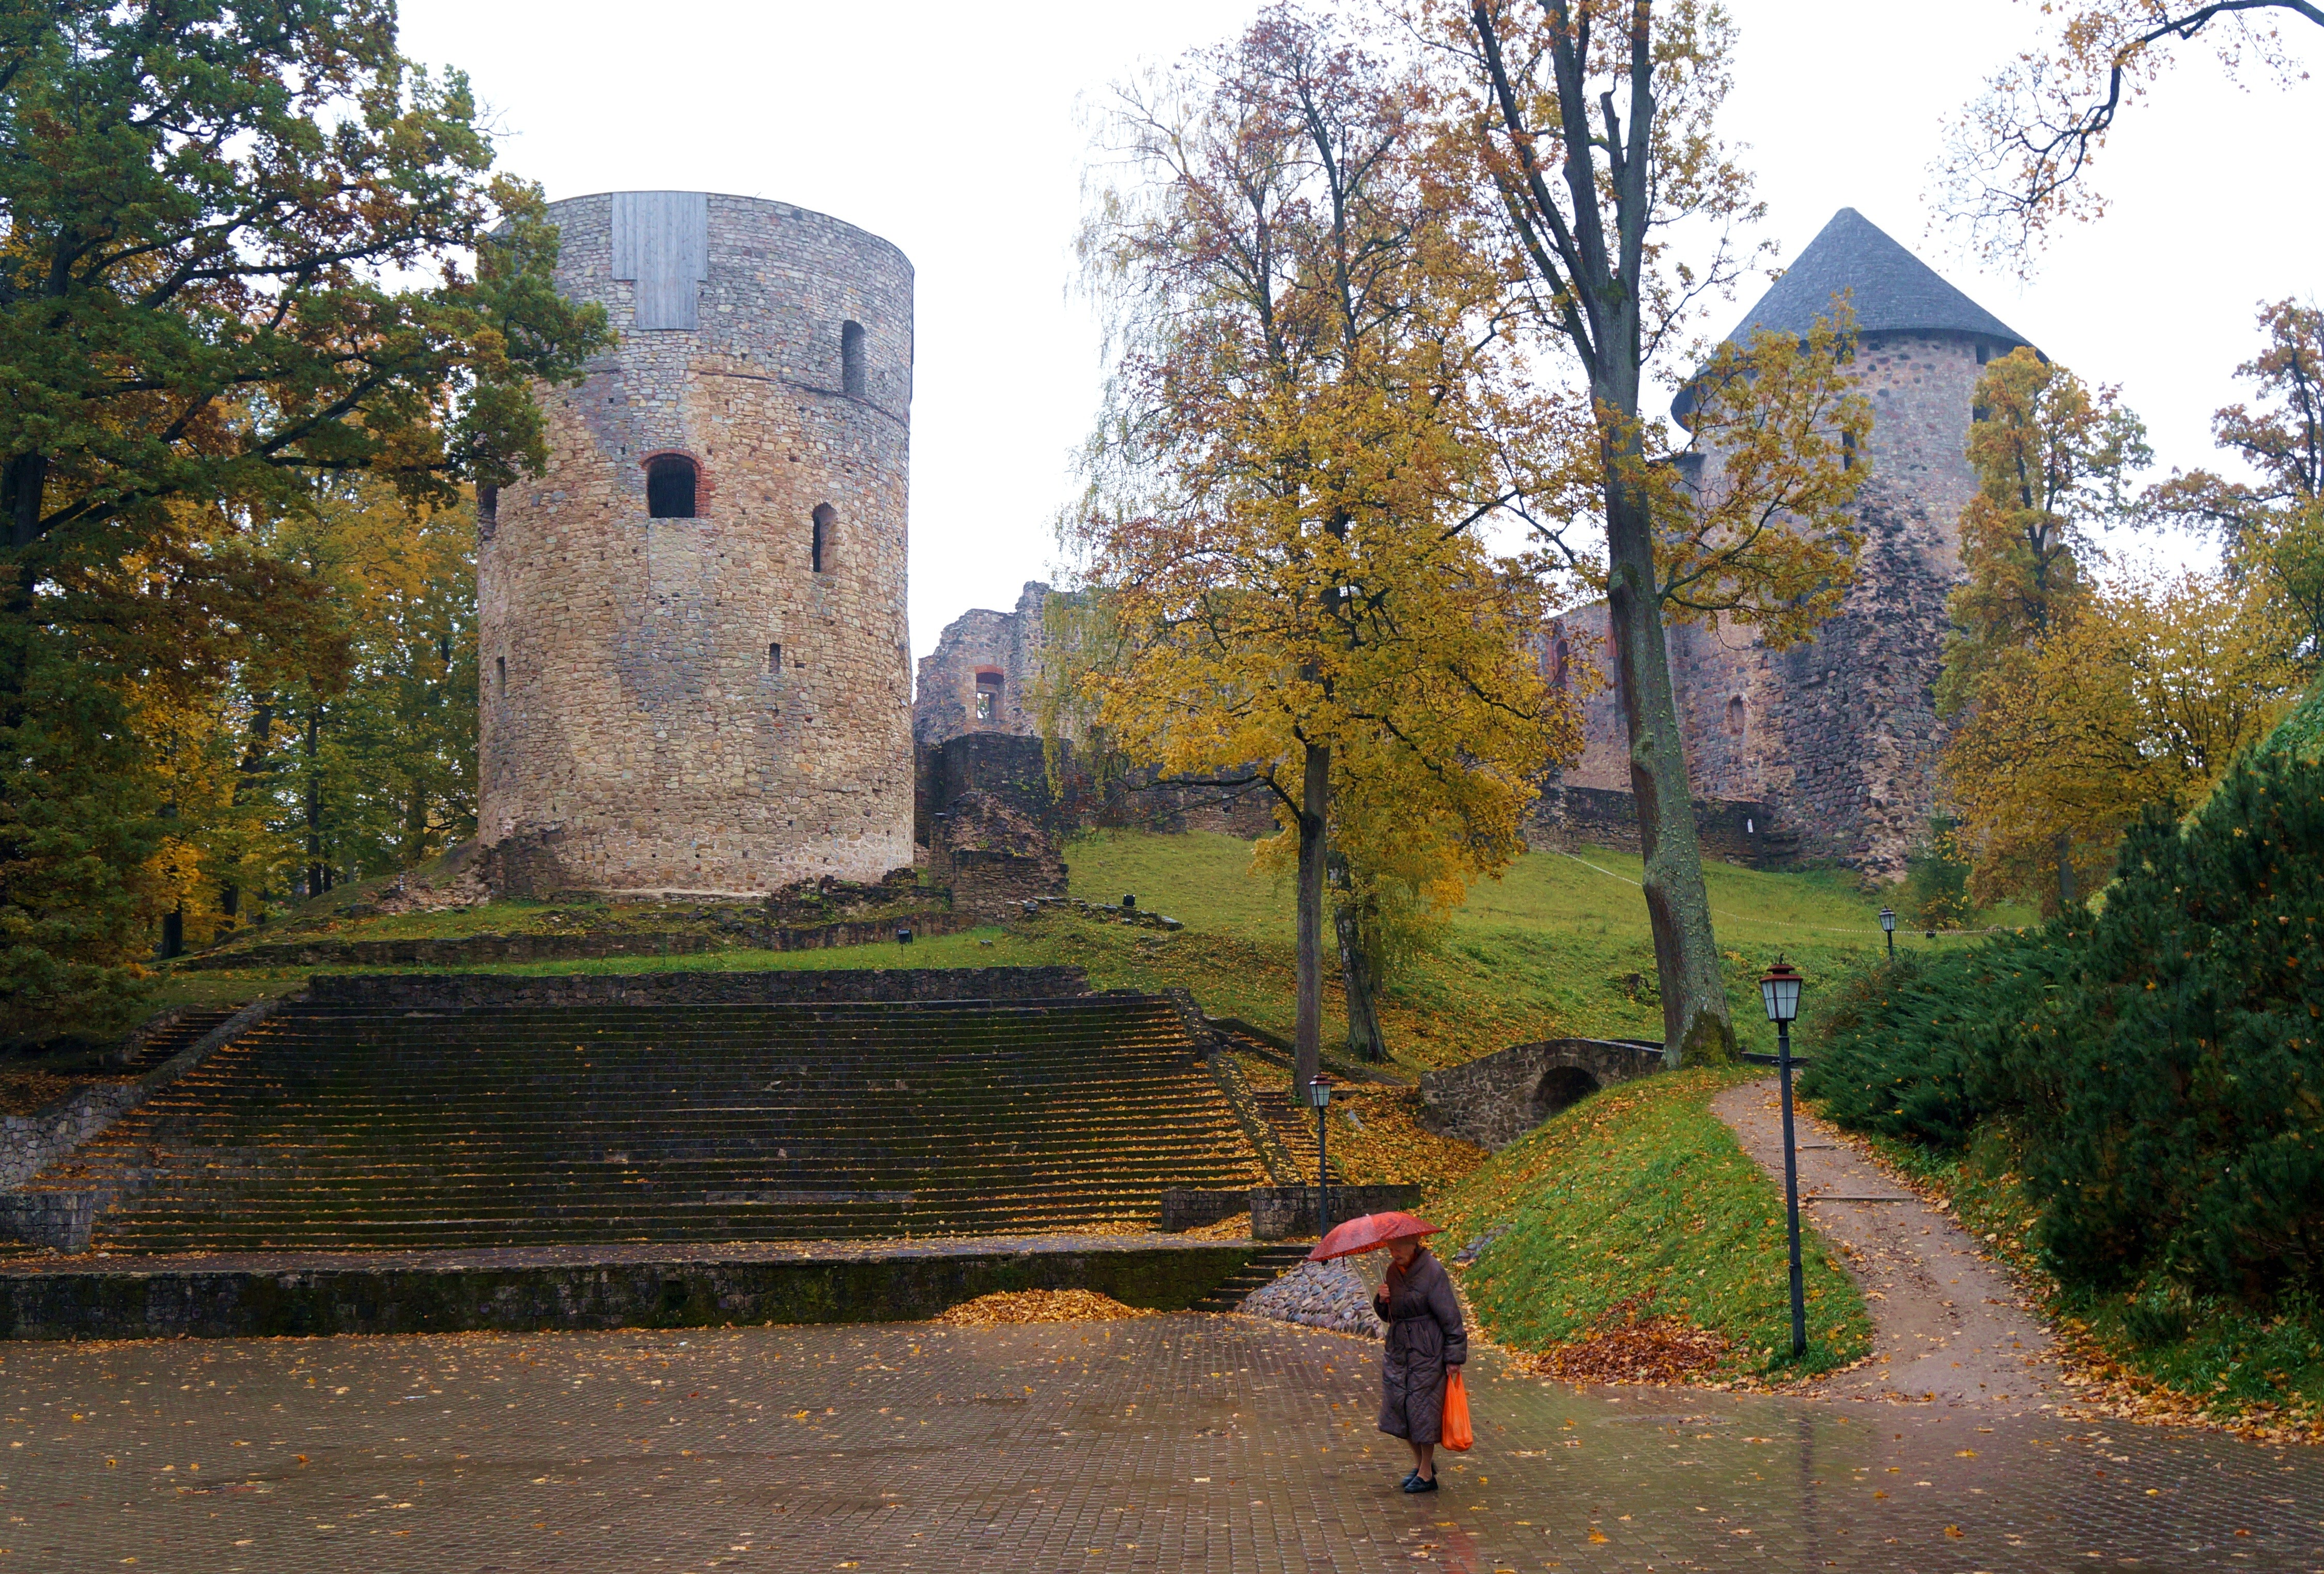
{"x": 1425, "y": 1337}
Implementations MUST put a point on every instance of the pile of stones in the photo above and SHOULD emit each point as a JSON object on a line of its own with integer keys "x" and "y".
{"x": 1336, "y": 1295}
{"x": 1127, "y": 911}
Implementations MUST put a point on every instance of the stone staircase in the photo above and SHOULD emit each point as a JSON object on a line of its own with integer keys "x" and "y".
{"x": 1295, "y": 1124}
{"x": 182, "y": 1030}
{"x": 1267, "y": 1264}
{"x": 355, "y": 1127}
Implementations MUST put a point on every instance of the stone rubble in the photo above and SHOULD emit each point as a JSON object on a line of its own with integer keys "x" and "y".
{"x": 1336, "y": 1295}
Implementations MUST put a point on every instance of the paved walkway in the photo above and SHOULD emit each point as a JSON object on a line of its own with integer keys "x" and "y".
{"x": 1947, "y": 1325}
{"x": 1160, "y": 1443}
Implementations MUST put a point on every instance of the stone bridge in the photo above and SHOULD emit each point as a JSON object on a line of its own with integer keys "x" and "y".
{"x": 1498, "y": 1098}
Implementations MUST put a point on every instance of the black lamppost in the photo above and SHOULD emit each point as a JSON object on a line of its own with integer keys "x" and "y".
{"x": 1780, "y": 991}
{"x": 1889, "y": 923}
{"x": 1319, "y": 1093}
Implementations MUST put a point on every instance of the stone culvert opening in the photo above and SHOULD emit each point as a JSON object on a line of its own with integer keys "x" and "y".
{"x": 1560, "y": 1087}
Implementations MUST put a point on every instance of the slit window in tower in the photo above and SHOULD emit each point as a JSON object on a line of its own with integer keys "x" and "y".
{"x": 1735, "y": 717}
{"x": 774, "y": 658}
{"x": 500, "y": 673}
{"x": 851, "y": 359}
{"x": 820, "y": 545}
{"x": 669, "y": 487}
{"x": 1847, "y": 450}
{"x": 988, "y": 695}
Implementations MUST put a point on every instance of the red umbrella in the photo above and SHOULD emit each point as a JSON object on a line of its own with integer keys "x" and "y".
{"x": 1368, "y": 1234}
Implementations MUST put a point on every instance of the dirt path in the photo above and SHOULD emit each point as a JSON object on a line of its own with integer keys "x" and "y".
{"x": 1947, "y": 1325}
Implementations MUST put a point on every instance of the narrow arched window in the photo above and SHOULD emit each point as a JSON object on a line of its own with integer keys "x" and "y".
{"x": 988, "y": 694}
{"x": 669, "y": 487}
{"x": 820, "y": 545}
{"x": 1735, "y": 717}
{"x": 851, "y": 358}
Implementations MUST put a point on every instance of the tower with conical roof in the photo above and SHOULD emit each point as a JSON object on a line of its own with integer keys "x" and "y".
{"x": 1829, "y": 751}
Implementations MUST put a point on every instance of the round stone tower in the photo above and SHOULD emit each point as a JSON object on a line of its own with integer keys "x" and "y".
{"x": 695, "y": 674}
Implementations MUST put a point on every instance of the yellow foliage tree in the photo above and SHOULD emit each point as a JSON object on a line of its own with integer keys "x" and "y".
{"x": 2145, "y": 696}
{"x": 2050, "y": 456}
{"x": 2272, "y": 526}
{"x": 1312, "y": 415}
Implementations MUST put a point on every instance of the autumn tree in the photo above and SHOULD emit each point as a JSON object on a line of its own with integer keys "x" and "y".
{"x": 1308, "y": 421}
{"x": 2271, "y": 527}
{"x": 238, "y": 259}
{"x": 1588, "y": 133}
{"x": 2051, "y": 458}
{"x": 2019, "y": 157}
{"x": 2143, "y": 697}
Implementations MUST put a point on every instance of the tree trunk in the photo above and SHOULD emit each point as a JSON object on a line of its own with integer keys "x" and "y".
{"x": 1314, "y": 817}
{"x": 2065, "y": 873}
{"x": 318, "y": 876}
{"x": 1365, "y": 1041}
{"x": 1695, "y": 1023}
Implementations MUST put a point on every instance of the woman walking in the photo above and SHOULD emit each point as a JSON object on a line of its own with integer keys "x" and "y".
{"x": 1425, "y": 1339}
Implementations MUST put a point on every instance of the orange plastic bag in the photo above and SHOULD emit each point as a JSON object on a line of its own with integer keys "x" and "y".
{"x": 1455, "y": 1433}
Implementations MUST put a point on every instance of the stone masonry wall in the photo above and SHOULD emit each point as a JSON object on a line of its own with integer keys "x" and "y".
{"x": 1838, "y": 738}
{"x": 982, "y": 641}
{"x": 639, "y": 734}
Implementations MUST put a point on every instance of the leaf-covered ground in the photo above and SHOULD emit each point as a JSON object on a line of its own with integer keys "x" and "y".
{"x": 1636, "y": 1205}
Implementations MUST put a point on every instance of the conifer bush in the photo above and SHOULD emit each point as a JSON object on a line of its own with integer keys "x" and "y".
{"x": 2161, "y": 1067}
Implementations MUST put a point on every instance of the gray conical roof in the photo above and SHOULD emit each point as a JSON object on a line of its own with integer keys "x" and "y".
{"x": 1891, "y": 289}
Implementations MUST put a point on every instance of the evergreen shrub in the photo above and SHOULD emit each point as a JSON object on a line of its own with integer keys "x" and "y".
{"x": 1907, "y": 1049}
{"x": 2161, "y": 1066}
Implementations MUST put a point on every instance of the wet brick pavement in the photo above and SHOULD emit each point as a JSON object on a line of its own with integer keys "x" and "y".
{"x": 1184, "y": 1442}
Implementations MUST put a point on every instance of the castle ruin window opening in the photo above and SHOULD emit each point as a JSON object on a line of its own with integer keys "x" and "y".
{"x": 774, "y": 656}
{"x": 499, "y": 674}
{"x": 819, "y": 541}
{"x": 1738, "y": 717}
{"x": 988, "y": 694}
{"x": 851, "y": 359}
{"x": 671, "y": 481}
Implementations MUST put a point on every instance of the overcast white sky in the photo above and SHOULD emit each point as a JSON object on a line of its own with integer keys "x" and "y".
{"x": 954, "y": 131}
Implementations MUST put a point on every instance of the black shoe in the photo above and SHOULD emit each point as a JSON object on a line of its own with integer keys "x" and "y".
{"x": 1417, "y": 1483}
{"x": 1409, "y": 1477}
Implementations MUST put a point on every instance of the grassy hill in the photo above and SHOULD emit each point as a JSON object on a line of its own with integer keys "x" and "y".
{"x": 1558, "y": 946}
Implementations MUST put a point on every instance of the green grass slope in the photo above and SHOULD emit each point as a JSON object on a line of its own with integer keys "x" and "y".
{"x": 1637, "y": 1203}
{"x": 1558, "y": 946}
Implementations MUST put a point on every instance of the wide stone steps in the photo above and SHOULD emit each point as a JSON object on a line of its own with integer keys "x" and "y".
{"x": 354, "y": 1129}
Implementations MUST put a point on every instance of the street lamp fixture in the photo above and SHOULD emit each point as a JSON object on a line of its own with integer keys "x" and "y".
{"x": 1779, "y": 991}
{"x": 1889, "y": 923}
{"x": 1319, "y": 1093}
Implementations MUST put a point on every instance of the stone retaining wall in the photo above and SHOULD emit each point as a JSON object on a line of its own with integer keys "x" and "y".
{"x": 1277, "y": 1212}
{"x": 1736, "y": 830}
{"x": 443, "y": 1292}
{"x": 460, "y": 991}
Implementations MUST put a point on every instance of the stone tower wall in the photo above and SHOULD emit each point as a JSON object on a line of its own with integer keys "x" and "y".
{"x": 1839, "y": 736}
{"x": 638, "y": 732}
